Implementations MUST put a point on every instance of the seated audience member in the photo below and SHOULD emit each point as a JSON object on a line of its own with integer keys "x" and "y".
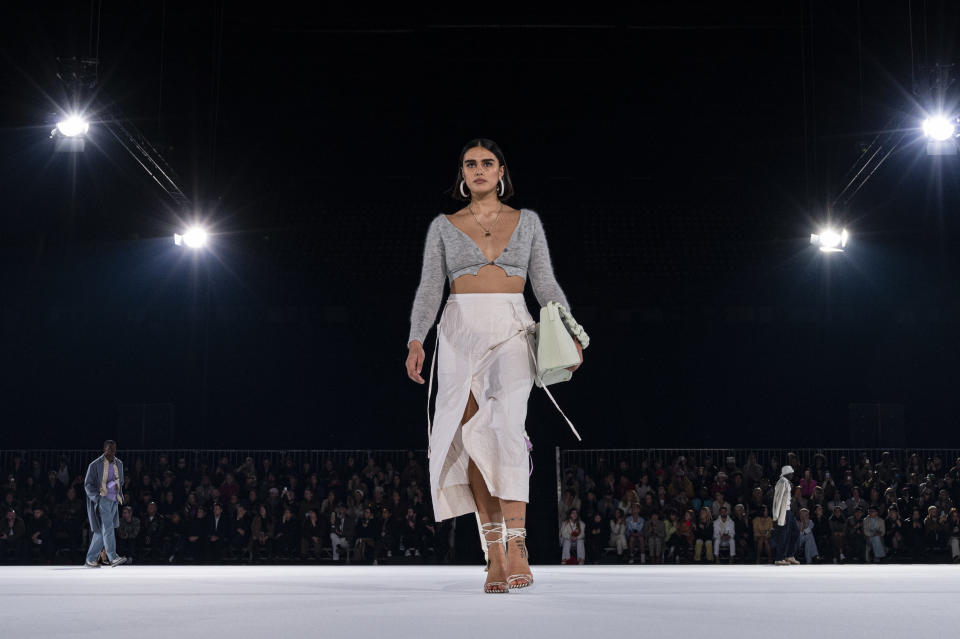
{"x": 655, "y": 532}
{"x": 411, "y": 534}
{"x": 838, "y": 533}
{"x": 341, "y": 530}
{"x": 261, "y": 534}
{"x": 724, "y": 534}
{"x": 634, "y": 532}
{"x": 719, "y": 501}
{"x": 218, "y": 532}
{"x": 174, "y": 537}
{"x": 618, "y": 532}
{"x": 671, "y": 540}
{"x": 821, "y": 532}
{"x": 874, "y": 531}
{"x": 152, "y": 532}
{"x": 388, "y": 535}
{"x": 808, "y": 544}
{"x": 914, "y": 535}
{"x": 312, "y": 533}
{"x": 40, "y": 534}
{"x": 856, "y": 540}
{"x": 742, "y": 531}
{"x": 953, "y": 534}
{"x": 703, "y": 535}
{"x": 762, "y": 526}
{"x": 597, "y": 533}
{"x": 127, "y": 533}
{"x": 934, "y": 525}
{"x": 195, "y": 542}
{"x": 365, "y": 532}
{"x": 573, "y": 533}
{"x": 239, "y": 536}
{"x": 287, "y": 534}
{"x": 894, "y": 538}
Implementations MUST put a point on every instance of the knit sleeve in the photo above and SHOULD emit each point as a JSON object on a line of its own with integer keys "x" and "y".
{"x": 540, "y": 271}
{"x": 426, "y": 302}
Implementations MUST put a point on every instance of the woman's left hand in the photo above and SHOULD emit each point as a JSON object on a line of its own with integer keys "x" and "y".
{"x": 580, "y": 351}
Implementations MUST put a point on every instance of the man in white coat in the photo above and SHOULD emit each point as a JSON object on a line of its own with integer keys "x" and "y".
{"x": 786, "y": 534}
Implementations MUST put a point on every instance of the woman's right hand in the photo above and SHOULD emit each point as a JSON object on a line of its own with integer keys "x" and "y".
{"x": 415, "y": 361}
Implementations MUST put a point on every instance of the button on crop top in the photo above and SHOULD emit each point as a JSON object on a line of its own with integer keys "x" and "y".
{"x": 449, "y": 252}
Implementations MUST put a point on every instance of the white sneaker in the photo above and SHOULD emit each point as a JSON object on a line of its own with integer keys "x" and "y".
{"x": 119, "y": 561}
{"x": 92, "y": 564}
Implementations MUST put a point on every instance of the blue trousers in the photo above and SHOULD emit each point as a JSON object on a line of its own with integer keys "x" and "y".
{"x": 786, "y": 538}
{"x": 106, "y": 536}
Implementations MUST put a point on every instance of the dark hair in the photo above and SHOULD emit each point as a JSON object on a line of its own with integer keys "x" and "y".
{"x": 108, "y": 442}
{"x": 494, "y": 148}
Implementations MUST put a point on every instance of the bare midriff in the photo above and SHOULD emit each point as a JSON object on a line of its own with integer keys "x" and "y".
{"x": 489, "y": 279}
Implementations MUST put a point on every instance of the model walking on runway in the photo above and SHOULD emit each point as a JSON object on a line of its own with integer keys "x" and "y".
{"x": 477, "y": 445}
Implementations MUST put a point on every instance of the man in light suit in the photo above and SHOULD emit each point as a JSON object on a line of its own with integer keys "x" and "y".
{"x": 787, "y": 532}
{"x": 104, "y": 487}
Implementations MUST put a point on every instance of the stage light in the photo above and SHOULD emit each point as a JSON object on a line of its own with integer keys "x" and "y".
{"x": 73, "y": 126}
{"x": 939, "y": 128}
{"x": 194, "y": 237}
{"x": 941, "y": 133}
{"x": 830, "y": 241}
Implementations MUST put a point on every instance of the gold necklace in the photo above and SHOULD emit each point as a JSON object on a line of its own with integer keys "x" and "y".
{"x": 486, "y": 231}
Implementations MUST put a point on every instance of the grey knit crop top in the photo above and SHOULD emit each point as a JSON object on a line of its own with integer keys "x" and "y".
{"x": 450, "y": 252}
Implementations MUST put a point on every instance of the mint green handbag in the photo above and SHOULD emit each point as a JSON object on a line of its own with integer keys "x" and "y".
{"x": 555, "y": 348}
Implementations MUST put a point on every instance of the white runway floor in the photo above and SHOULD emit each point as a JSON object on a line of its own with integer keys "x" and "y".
{"x": 387, "y": 602}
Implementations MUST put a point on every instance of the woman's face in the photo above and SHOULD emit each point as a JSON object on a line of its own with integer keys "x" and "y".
{"x": 481, "y": 171}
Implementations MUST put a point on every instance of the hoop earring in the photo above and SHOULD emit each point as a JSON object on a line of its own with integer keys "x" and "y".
{"x": 461, "y": 190}
{"x": 502, "y": 188}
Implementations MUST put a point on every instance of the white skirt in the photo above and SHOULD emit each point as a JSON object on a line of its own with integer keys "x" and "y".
{"x": 501, "y": 378}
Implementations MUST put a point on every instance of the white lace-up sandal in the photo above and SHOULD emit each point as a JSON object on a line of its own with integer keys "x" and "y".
{"x": 523, "y": 579}
{"x": 493, "y": 527}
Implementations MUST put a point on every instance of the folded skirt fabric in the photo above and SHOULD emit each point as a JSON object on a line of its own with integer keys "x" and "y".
{"x": 481, "y": 348}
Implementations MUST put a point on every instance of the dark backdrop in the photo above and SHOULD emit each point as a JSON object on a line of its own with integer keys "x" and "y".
{"x": 679, "y": 156}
